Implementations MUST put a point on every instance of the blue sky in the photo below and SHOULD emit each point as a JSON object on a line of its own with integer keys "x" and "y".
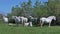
{"x": 6, "y": 5}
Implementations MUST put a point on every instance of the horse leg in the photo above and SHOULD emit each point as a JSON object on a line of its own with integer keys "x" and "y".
{"x": 30, "y": 24}
{"x": 22, "y": 22}
{"x": 49, "y": 24}
{"x": 42, "y": 24}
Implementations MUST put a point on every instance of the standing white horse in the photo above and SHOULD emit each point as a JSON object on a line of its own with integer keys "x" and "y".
{"x": 5, "y": 19}
{"x": 24, "y": 21}
{"x": 47, "y": 20}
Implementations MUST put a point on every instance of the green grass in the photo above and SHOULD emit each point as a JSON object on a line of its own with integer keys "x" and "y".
{"x": 5, "y": 29}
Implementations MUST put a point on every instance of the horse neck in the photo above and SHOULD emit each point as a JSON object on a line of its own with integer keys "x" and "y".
{"x": 51, "y": 18}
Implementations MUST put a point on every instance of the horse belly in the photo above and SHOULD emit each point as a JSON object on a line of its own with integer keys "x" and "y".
{"x": 48, "y": 21}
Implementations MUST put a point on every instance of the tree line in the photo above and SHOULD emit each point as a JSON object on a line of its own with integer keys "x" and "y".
{"x": 52, "y": 7}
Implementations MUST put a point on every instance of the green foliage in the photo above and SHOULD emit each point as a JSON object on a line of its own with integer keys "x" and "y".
{"x": 16, "y": 10}
{"x": 9, "y": 15}
{"x": 52, "y": 7}
{"x": 0, "y": 16}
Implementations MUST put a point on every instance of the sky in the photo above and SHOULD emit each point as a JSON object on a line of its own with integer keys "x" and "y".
{"x": 6, "y": 5}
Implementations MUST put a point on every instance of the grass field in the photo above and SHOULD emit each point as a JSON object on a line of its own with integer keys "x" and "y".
{"x": 5, "y": 29}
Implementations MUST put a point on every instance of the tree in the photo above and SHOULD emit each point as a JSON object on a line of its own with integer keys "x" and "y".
{"x": 16, "y": 10}
{"x": 53, "y": 7}
{"x": 26, "y": 7}
{"x": 29, "y": 6}
{"x": 39, "y": 10}
{"x": 36, "y": 10}
{"x": 23, "y": 5}
{"x": 9, "y": 15}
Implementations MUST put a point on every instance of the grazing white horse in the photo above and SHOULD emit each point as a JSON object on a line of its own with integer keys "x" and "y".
{"x": 47, "y": 20}
{"x": 5, "y": 19}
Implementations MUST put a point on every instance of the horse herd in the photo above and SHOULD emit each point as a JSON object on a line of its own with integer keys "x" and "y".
{"x": 25, "y": 21}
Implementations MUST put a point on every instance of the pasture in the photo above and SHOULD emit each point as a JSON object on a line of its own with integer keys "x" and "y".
{"x": 5, "y": 29}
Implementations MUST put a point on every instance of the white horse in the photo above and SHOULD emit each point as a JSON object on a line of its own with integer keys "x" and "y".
{"x": 5, "y": 19}
{"x": 16, "y": 17}
{"x": 24, "y": 20}
{"x": 47, "y": 20}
